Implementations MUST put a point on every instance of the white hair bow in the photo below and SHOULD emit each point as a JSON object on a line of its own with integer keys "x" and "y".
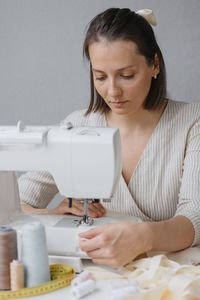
{"x": 148, "y": 15}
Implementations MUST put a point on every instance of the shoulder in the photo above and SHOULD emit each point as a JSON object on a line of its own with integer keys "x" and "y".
{"x": 183, "y": 111}
{"x": 78, "y": 118}
{"x": 75, "y": 117}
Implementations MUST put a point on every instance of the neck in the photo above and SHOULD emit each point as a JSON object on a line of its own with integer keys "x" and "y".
{"x": 139, "y": 120}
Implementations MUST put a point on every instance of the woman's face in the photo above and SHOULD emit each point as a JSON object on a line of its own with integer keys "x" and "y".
{"x": 121, "y": 75}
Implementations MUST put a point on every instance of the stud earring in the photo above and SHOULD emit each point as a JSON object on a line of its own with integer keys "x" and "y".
{"x": 155, "y": 76}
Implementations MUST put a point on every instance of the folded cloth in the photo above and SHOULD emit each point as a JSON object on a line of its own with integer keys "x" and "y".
{"x": 161, "y": 278}
{"x": 158, "y": 277}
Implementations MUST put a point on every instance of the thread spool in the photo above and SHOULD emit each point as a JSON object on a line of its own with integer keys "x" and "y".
{"x": 85, "y": 275}
{"x": 8, "y": 252}
{"x": 34, "y": 255}
{"x": 84, "y": 288}
{"x": 119, "y": 294}
{"x": 16, "y": 275}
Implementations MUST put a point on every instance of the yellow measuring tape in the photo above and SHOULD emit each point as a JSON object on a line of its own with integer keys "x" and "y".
{"x": 61, "y": 276}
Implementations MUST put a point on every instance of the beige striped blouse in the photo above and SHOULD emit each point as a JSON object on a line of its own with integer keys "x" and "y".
{"x": 166, "y": 181}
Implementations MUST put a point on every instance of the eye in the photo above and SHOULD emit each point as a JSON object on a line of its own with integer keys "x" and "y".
{"x": 127, "y": 76}
{"x": 100, "y": 78}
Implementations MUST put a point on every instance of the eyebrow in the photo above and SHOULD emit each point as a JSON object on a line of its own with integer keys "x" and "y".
{"x": 121, "y": 69}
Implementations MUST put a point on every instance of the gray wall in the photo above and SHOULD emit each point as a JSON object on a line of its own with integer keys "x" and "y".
{"x": 42, "y": 73}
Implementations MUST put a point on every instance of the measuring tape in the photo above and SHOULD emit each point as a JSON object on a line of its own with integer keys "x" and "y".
{"x": 61, "y": 276}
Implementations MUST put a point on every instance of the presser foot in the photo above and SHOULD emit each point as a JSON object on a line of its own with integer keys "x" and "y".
{"x": 86, "y": 220}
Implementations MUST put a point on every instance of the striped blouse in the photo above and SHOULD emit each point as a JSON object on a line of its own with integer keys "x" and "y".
{"x": 166, "y": 180}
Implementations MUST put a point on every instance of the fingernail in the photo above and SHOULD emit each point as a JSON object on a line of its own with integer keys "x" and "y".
{"x": 94, "y": 215}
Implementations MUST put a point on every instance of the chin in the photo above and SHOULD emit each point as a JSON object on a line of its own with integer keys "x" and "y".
{"x": 121, "y": 111}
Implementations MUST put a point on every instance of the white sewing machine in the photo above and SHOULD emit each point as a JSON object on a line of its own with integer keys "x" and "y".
{"x": 85, "y": 163}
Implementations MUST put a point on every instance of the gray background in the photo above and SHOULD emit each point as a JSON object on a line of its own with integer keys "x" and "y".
{"x": 42, "y": 73}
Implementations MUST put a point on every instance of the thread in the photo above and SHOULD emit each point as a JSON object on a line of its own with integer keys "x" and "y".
{"x": 16, "y": 275}
{"x": 84, "y": 288}
{"x": 85, "y": 275}
{"x": 34, "y": 255}
{"x": 119, "y": 294}
{"x": 8, "y": 252}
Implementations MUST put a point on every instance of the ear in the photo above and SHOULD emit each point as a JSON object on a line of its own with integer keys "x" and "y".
{"x": 156, "y": 65}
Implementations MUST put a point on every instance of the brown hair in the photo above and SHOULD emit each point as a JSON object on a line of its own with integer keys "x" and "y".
{"x": 124, "y": 24}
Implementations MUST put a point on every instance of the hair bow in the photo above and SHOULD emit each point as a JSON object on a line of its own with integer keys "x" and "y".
{"x": 148, "y": 15}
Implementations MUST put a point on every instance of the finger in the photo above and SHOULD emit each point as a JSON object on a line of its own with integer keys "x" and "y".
{"x": 64, "y": 204}
{"x": 94, "y": 212}
{"x": 89, "y": 245}
{"x": 91, "y": 211}
{"x": 77, "y": 203}
{"x": 94, "y": 209}
{"x": 100, "y": 261}
{"x": 97, "y": 253}
{"x": 98, "y": 207}
{"x": 76, "y": 211}
{"x": 92, "y": 232}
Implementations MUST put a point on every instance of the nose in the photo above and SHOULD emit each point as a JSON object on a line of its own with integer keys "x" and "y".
{"x": 114, "y": 89}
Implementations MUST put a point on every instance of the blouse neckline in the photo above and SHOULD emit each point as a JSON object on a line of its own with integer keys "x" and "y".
{"x": 149, "y": 143}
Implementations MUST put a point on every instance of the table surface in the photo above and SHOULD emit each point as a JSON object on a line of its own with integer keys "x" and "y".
{"x": 102, "y": 289}
{"x": 102, "y": 292}
{"x": 187, "y": 256}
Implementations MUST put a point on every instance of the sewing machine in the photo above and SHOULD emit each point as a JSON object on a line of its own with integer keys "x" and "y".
{"x": 85, "y": 163}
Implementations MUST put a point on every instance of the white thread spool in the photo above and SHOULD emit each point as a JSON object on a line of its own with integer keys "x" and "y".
{"x": 85, "y": 275}
{"x": 34, "y": 254}
{"x": 83, "y": 288}
{"x": 16, "y": 275}
{"x": 119, "y": 294}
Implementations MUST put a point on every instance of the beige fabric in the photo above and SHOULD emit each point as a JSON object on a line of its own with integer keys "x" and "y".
{"x": 100, "y": 273}
{"x": 164, "y": 279}
{"x": 166, "y": 180}
{"x": 158, "y": 278}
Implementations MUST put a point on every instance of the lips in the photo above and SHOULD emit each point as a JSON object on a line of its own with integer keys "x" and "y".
{"x": 118, "y": 103}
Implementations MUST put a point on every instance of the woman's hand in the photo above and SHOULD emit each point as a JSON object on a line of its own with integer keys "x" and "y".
{"x": 116, "y": 244}
{"x": 95, "y": 210}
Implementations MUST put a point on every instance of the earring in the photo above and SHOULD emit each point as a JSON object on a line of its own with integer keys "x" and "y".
{"x": 155, "y": 76}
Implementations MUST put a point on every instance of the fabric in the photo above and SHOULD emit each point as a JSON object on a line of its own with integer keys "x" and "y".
{"x": 161, "y": 278}
{"x": 157, "y": 278}
{"x": 166, "y": 181}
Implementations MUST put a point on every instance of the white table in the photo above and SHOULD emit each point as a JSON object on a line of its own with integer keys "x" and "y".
{"x": 188, "y": 256}
{"x": 102, "y": 291}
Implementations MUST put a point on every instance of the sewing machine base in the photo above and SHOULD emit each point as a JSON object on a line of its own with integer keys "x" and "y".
{"x": 62, "y": 231}
{"x": 62, "y": 237}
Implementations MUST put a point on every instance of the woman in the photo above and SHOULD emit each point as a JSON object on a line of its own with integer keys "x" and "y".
{"x": 160, "y": 144}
